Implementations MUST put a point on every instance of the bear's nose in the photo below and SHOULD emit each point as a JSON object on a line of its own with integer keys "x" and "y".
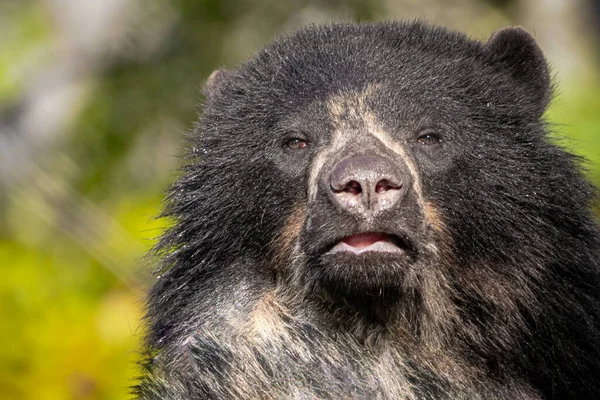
{"x": 367, "y": 184}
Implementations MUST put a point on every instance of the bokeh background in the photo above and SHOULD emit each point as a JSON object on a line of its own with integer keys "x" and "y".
{"x": 95, "y": 97}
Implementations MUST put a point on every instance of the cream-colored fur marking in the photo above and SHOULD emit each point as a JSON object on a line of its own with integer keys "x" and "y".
{"x": 350, "y": 109}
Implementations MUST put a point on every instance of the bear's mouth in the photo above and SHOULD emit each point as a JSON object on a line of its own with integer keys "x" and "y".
{"x": 365, "y": 242}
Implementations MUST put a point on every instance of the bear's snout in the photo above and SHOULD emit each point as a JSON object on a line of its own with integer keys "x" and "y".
{"x": 367, "y": 184}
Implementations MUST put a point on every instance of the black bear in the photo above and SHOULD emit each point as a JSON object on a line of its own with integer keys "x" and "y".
{"x": 376, "y": 211}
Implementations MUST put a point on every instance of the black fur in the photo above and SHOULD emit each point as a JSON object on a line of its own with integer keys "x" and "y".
{"x": 497, "y": 292}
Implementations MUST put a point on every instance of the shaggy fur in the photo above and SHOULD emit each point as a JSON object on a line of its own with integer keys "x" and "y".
{"x": 495, "y": 293}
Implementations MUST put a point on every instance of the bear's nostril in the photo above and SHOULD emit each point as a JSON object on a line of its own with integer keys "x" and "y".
{"x": 353, "y": 187}
{"x": 384, "y": 185}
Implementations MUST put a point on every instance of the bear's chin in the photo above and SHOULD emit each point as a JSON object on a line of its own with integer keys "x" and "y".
{"x": 363, "y": 273}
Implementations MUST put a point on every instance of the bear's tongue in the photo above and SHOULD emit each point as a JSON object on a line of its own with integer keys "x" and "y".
{"x": 363, "y": 240}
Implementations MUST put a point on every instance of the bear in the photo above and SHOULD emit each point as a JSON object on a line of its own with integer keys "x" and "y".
{"x": 378, "y": 211}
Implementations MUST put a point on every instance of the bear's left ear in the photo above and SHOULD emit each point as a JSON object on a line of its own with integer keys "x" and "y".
{"x": 214, "y": 83}
{"x": 517, "y": 53}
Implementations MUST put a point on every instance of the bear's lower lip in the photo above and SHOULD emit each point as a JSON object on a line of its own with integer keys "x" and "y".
{"x": 367, "y": 242}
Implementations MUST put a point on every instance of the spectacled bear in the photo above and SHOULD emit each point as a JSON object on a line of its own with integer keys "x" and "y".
{"x": 377, "y": 211}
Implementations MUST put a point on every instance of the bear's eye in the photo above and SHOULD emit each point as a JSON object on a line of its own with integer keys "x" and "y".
{"x": 295, "y": 144}
{"x": 428, "y": 139}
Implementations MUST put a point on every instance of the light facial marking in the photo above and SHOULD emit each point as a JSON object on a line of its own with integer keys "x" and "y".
{"x": 398, "y": 149}
{"x": 338, "y": 141}
{"x": 351, "y": 110}
{"x": 285, "y": 243}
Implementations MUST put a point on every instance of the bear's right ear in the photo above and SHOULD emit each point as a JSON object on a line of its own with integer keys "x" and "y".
{"x": 515, "y": 51}
{"x": 214, "y": 83}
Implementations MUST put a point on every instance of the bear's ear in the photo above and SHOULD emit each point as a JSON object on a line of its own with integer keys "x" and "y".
{"x": 214, "y": 83}
{"x": 515, "y": 51}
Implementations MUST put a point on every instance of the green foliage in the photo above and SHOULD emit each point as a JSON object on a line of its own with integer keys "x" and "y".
{"x": 22, "y": 47}
{"x": 576, "y": 119}
{"x": 71, "y": 315}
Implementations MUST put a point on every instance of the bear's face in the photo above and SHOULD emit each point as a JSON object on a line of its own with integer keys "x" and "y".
{"x": 369, "y": 166}
{"x": 366, "y": 219}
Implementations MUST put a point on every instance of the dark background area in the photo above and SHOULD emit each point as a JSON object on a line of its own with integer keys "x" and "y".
{"x": 95, "y": 98}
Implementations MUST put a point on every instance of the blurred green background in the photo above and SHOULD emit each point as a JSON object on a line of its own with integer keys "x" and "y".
{"x": 95, "y": 96}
